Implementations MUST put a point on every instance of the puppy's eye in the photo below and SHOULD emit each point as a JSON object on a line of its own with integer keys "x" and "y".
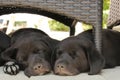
{"x": 73, "y": 54}
{"x": 35, "y": 51}
{"x": 44, "y": 50}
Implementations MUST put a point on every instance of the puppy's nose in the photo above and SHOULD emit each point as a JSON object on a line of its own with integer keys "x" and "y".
{"x": 38, "y": 67}
{"x": 41, "y": 69}
{"x": 60, "y": 68}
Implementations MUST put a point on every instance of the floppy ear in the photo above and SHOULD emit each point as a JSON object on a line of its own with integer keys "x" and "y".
{"x": 95, "y": 59}
{"x": 9, "y": 54}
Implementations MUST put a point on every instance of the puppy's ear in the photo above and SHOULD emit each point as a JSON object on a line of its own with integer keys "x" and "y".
{"x": 9, "y": 54}
{"x": 95, "y": 59}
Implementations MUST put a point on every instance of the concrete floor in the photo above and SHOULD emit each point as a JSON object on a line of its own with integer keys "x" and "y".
{"x": 106, "y": 74}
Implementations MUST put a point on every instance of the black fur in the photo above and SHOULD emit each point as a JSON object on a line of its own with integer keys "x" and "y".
{"x": 4, "y": 44}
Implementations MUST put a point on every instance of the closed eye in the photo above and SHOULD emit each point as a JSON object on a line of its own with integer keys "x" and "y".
{"x": 73, "y": 54}
{"x": 36, "y": 51}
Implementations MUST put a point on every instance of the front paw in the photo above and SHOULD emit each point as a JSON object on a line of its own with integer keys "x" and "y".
{"x": 11, "y": 68}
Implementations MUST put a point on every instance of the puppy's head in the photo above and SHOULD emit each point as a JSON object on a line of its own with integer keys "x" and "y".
{"x": 34, "y": 61}
{"x": 37, "y": 66}
{"x": 73, "y": 56}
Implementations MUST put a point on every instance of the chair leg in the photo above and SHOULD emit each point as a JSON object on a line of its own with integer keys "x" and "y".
{"x": 72, "y": 28}
{"x": 72, "y": 31}
{"x": 98, "y": 38}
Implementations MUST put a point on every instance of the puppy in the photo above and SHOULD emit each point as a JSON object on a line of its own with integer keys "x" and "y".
{"x": 30, "y": 51}
{"x": 78, "y": 54}
{"x": 4, "y": 44}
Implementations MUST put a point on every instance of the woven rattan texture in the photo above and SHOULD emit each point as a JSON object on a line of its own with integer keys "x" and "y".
{"x": 114, "y": 13}
{"x": 87, "y": 11}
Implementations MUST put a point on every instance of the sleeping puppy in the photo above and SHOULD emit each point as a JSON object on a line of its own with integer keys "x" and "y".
{"x": 78, "y": 54}
{"x": 30, "y": 51}
{"x": 4, "y": 44}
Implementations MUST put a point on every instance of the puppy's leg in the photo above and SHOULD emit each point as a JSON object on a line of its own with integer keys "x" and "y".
{"x": 10, "y": 67}
{"x": 9, "y": 54}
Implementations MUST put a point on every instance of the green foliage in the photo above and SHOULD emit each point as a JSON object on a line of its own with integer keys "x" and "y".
{"x": 86, "y": 26}
{"x": 105, "y": 18}
{"x": 57, "y": 26}
{"x": 20, "y": 23}
{"x": 106, "y": 4}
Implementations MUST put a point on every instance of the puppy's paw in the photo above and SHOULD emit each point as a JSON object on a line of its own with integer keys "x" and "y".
{"x": 11, "y": 68}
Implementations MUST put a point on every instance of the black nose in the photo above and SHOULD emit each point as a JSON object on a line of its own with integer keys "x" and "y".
{"x": 60, "y": 66}
{"x": 38, "y": 67}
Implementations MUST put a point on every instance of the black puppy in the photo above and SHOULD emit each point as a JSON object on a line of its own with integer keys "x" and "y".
{"x": 4, "y": 44}
{"x": 78, "y": 54}
{"x": 30, "y": 51}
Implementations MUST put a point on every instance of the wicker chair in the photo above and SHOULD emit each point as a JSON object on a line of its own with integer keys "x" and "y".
{"x": 87, "y": 11}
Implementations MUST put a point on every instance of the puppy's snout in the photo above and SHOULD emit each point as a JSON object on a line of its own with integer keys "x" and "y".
{"x": 38, "y": 67}
{"x": 41, "y": 69}
{"x": 60, "y": 68}
{"x": 64, "y": 68}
